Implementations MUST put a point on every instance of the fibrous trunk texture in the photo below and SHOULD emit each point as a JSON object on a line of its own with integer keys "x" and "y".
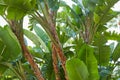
{"x": 55, "y": 62}
{"x": 17, "y": 29}
{"x": 57, "y": 46}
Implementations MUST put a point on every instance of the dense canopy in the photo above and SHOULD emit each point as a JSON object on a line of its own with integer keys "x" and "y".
{"x": 70, "y": 41}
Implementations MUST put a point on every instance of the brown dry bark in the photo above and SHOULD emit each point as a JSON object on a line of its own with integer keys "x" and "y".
{"x": 18, "y": 31}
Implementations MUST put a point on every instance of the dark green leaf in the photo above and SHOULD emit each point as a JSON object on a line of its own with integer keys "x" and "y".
{"x": 102, "y": 54}
{"x": 53, "y": 4}
{"x": 104, "y": 12}
{"x": 100, "y": 40}
{"x": 3, "y": 68}
{"x": 90, "y": 4}
{"x": 101, "y": 28}
{"x": 101, "y": 49}
{"x": 116, "y": 53}
{"x": 112, "y": 36}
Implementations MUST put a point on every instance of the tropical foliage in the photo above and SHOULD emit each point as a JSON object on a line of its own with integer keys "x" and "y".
{"x": 70, "y": 41}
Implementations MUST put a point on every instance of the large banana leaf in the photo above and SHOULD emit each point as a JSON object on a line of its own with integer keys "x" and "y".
{"x": 87, "y": 56}
{"x": 102, "y": 54}
{"x": 116, "y": 53}
{"x": 53, "y": 4}
{"x": 41, "y": 33}
{"x": 14, "y": 7}
{"x": 90, "y": 4}
{"x": 102, "y": 51}
{"x": 10, "y": 46}
{"x": 112, "y": 36}
{"x": 76, "y": 69}
{"x": 36, "y": 40}
{"x": 103, "y": 12}
{"x": 92, "y": 64}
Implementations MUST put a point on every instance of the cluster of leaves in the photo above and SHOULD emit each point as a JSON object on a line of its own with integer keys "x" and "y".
{"x": 82, "y": 33}
{"x": 12, "y": 8}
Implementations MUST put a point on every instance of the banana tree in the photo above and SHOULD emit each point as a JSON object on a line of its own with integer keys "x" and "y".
{"x": 84, "y": 30}
{"x": 46, "y": 17}
{"x": 88, "y": 19}
{"x": 47, "y": 21}
{"x": 15, "y": 22}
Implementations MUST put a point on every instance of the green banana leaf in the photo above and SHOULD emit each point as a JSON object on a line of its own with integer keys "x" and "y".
{"x": 76, "y": 69}
{"x": 116, "y": 53}
{"x": 86, "y": 54}
{"x": 10, "y": 45}
{"x": 41, "y": 34}
{"x": 36, "y": 40}
{"x": 102, "y": 51}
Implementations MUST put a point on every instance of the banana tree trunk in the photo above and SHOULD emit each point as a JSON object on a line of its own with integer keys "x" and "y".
{"x": 61, "y": 57}
{"x": 55, "y": 62}
{"x": 49, "y": 24}
{"x": 56, "y": 44}
{"x": 17, "y": 29}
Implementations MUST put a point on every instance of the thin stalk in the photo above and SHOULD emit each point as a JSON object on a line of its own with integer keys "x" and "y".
{"x": 21, "y": 70}
{"x": 5, "y": 19}
{"x": 12, "y": 69}
{"x": 39, "y": 15}
{"x": 91, "y": 32}
{"x": 3, "y": 49}
{"x": 87, "y": 25}
{"x": 95, "y": 27}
